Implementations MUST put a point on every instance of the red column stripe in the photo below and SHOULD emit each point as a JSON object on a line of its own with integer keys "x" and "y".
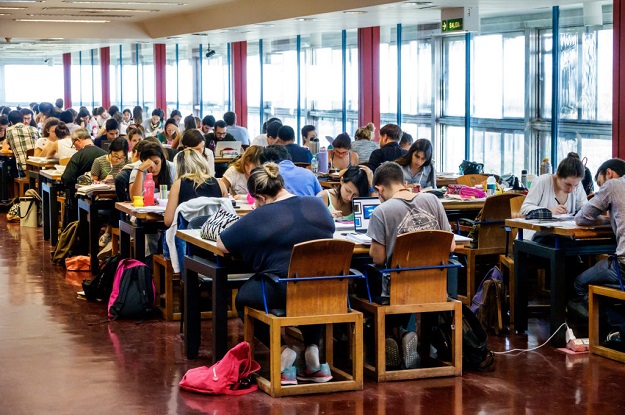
{"x": 105, "y": 69}
{"x": 67, "y": 79}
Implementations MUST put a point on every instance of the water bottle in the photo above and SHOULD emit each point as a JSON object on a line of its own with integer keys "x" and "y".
{"x": 148, "y": 190}
{"x": 491, "y": 185}
{"x": 545, "y": 166}
{"x": 322, "y": 160}
{"x": 314, "y": 164}
{"x": 524, "y": 178}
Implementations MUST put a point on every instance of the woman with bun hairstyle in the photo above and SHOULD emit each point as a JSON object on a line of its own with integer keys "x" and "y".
{"x": 235, "y": 177}
{"x": 363, "y": 143}
{"x": 264, "y": 239}
{"x": 561, "y": 192}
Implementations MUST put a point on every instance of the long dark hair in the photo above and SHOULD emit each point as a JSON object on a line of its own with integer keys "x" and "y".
{"x": 424, "y": 145}
{"x": 153, "y": 149}
{"x": 358, "y": 178}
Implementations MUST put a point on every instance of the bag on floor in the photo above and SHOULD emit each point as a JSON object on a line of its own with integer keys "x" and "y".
{"x": 100, "y": 287}
{"x": 490, "y": 301}
{"x": 78, "y": 263}
{"x": 229, "y": 376}
{"x": 67, "y": 244}
{"x": 133, "y": 291}
{"x": 475, "y": 354}
{"x": 13, "y": 215}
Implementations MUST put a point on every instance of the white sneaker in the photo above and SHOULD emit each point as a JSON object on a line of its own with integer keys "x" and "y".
{"x": 104, "y": 239}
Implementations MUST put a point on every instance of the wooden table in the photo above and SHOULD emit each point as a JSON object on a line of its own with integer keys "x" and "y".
{"x": 446, "y": 180}
{"x": 92, "y": 208}
{"x": 144, "y": 223}
{"x": 569, "y": 240}
{"x": 7, "y": 160}
{"x": 33, "y": 167}
{"x": 204, "y": 258}
{"x": 50, "y": 183}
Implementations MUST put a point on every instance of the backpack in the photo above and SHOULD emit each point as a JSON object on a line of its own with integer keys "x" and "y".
{"x": 490, "y": 301}
{"x": 67, "y": 244}
{"x": 475, "y": 354}
{"x": 133, "y": 291}
{"x": 100, "y": 287}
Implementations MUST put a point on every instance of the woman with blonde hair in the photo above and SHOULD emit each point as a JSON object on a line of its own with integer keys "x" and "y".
{"x": 235, "y": 178}
{"x": 363, "y": 143}
{"x": 193, "y": 179}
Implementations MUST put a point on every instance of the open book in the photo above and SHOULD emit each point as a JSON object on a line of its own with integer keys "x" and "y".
{"x": 83, "y": 190}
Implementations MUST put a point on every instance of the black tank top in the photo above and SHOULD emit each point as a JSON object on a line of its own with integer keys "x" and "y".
{"x": 188, "y": 190}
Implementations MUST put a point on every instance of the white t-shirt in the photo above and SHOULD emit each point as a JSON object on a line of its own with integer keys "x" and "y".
{"x": 238, "y": 181}
{"x": 41, "y": 142}
{"x": 65, "y": 149}
{"x": 260, "y": 140}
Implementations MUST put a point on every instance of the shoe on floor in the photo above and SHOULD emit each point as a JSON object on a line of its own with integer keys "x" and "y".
{"x": 106, "y": 252}
{"x": 320, "y": 375}
{"x": 288, "y": 376}
{"x": 409, "y": 349}
{"x": 392, "y": 353}
{"x": 614, "y": 336}
{"x": 578, "y": 308}
{"x": 104, "y": 240}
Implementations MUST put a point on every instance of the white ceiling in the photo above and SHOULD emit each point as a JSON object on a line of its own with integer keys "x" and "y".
{"x": 217, "y": 22}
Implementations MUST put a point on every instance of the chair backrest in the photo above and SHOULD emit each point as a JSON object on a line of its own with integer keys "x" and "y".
{"x": 319, "y": 258}
{"x": 420, "y": 249}
{"x": 471, "y": 179}
{"x": 515, "y": 206}
{"x": 30, "y": 152}
{"x": 63, "y": 162}
{"x": 491, "y": 233}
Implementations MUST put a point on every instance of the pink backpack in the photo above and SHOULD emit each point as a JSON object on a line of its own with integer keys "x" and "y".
{"x": 133, "y": 291}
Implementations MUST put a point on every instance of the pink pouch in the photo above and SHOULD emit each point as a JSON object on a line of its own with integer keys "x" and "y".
{"x": 455, "y": 189}
{"x": 471, "y": 193}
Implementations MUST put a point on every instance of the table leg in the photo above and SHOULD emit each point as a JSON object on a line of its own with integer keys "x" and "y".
{"x": 558, "y": 296}
{"x": 192, "y": 328}
{"x": 6, "y": 180}
{"x": 139, "y": 253}
{"x": 45, "y": 210}
{"x": 83, "y": 227}
{"x": 125, "y": 232}
{"x": 54, "y": 214}
{"x": 94, "y": 236}
{"x": 520, "y": 288}
{"x": 220, "y": 312}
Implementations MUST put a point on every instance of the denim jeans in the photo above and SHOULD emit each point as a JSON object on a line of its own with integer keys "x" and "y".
{"x": 601, "y": 273}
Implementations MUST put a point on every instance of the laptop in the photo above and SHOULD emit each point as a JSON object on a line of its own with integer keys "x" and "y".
{"x": 228, "y": 149}
{"x": 363, "y": 209}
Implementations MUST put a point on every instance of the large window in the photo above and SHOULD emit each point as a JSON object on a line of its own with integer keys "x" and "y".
{"x": 36, "y": 86}
{"x": 216, "y": 82}
{"x": 280, "y": 80}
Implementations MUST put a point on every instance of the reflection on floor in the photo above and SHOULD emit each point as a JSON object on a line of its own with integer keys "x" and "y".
{"x": 60, "y": 356}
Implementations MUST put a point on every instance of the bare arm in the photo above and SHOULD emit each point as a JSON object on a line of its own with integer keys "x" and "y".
{"x": 50, "y": 149}
{"x": 221, "y": 246}
{"x": 172, "y": 203}
{"x": 378, "y": 253}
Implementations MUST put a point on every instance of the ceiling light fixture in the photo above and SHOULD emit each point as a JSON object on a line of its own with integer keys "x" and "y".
{"x": 306, "y": 19}
{"x": 12, "y": 8}
{"x": 131, "y": 3}
{"x": 88, "y": 10}
{"x": 355, "y": 12}
{"x": 60, "y": 21}
{"x": 23, "y": 1}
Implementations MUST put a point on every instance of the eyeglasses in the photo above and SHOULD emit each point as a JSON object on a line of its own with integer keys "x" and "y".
{"x": 116, "y": 157}
{"x": 341, "y": 153}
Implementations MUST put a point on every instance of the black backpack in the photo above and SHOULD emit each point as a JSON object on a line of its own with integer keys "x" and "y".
{"x": 475, "y": 354}
{"x": 101, "y": 286}
{"x": 133, "y": 291}
{"x": 490, "y": 303}
{"x": 67, "y": 244}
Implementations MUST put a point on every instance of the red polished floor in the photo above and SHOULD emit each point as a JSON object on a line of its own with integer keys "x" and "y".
{"x": 58, "y": 355}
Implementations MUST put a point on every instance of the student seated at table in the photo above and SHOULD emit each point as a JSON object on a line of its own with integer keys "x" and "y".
{"x": 122, "y": 180}
{"x": 235, "y": 177}
{"x": 264, "y": 238}
{"x": 171, "y": 133}
{"x": 355, "y": 182}
{"x": 152, "y": 161}
{"x": 170, "y": 153}
{"x": 389, "y": 149}
{"x": 342, "y": 154}
{"x": 79, "y": 164}
{"x": 52, "y": 131}
{"x": 194, "y": 139}
{"x": 193, "y": 180}
{"x": 402, "y": 211}
{"x": 561, "y": 192}
{"x": 609, "y": 198}
{"x": 106, "y": 167}
{"x": 417, "y": 164}
{"x": 298, "y": 180}
{"x": 109, "y": 133}
{"x": 133, "y": 135}
{"x": 60, "y": 148}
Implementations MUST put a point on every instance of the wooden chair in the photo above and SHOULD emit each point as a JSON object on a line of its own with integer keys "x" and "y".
{"x": 317, "y": 293}
{"x": 65, "y": 161}
{"x": 595, "y": 292}
{"x": 20, "y": 184}
{"x": 471, "y": 179}
{"x": 506, "y": 260}
{"x": 492, "y": 238}
{"x": 418, "y": 284}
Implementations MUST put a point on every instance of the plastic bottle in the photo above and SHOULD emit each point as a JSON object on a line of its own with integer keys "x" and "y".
{"x": 322, "y": 159}
{"x": 491, "y": 186}
{"x": 314, "y": 164}
{"x": 524, "y": 178}
{"x": 545, "y": 166}
{"x": 148, "y": 190}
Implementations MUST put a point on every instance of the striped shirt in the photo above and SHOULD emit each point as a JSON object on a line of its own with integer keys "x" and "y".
{"x": 21, "y": 138}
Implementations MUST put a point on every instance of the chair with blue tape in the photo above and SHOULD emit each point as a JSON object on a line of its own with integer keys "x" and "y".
{"x": 418, "y": 284}
{"x": 317, "y": 293}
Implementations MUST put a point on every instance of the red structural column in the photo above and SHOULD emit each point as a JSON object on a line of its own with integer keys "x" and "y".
{"x": 160, "y": 62}
{"x": 239, "y": 81}
{"x": 369, "y": 76}
{"x": 67, "y": 79}
{"x": 618, "y": 81}
{"x": 105, "y": 68}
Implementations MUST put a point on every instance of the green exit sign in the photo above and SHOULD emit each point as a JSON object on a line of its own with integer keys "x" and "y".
{"x": 451, "y": 25}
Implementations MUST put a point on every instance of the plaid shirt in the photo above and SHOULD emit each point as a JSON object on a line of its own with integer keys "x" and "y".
{"x": 21, "y": 138}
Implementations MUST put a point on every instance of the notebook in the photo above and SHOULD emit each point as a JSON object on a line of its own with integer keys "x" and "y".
{"x": 363, "y": 209}
{"x": 227, "y": 148}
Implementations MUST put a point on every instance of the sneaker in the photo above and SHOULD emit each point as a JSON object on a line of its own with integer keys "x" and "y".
{"x": 614, "y": 336}
{"x": 392, "y": 353}
{"x": 104, "y": 239}
{"x": 321, "y": 375}
{"x": 409, "y": 348}
{"x": 579, "y": 308}
{"x": 288, "y": 376}
{"x": 106, "y": 252}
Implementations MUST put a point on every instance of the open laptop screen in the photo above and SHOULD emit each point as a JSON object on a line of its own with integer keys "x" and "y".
{"x": 363, "y": 209}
